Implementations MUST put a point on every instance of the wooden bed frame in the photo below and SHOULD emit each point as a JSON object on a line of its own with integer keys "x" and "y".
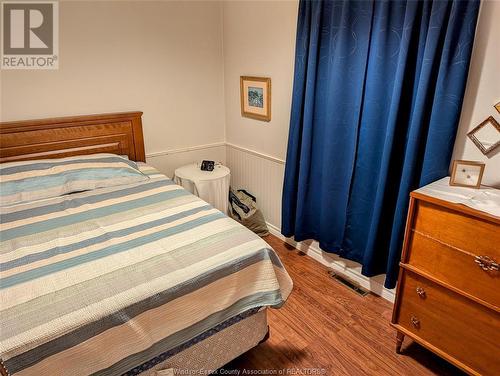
{"x": 117, "y": 133}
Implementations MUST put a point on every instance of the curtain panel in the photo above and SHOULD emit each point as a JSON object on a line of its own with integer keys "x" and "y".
{"x": 377, "y": 95}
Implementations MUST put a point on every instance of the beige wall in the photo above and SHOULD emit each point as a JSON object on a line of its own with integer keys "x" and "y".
{"x": 483, "y": 91}
{"x": 163, "y": 58}
{"x": 180, "y": 63}
{"x": 259, "y": 40}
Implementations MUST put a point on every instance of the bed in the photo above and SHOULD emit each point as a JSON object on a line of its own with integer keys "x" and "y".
{"x": 126, "y": 278}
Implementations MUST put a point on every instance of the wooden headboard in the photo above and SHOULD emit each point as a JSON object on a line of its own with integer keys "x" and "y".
{"x": 118, "y": 133}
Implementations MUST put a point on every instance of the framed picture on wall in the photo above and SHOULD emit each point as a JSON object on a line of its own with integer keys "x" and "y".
{"x": 255, "y": 95}
{"x": 486, "y": 135}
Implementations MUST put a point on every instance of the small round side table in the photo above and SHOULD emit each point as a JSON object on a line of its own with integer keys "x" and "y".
{"x": 211, "y": 186}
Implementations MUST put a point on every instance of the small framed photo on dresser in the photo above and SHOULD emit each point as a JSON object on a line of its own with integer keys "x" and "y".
{"x": 467, "y": 174}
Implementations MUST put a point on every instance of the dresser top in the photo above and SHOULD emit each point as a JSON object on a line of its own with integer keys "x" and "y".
{"x": 485, "y": 200}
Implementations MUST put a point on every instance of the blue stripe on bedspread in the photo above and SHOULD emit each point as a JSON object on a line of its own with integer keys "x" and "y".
{"x": 54, "y": 163}
{"x": 94, "y": 213}
{"x": 72, "y": 202}
{"x": 99, "y": 239}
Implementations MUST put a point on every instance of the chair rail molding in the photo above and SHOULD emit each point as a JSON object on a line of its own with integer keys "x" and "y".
{"x": 184, "y": 150}
{"x": 256, "y": 153}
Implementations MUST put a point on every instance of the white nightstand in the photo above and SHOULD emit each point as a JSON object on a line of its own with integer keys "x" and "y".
{"x": 211, "y": 186}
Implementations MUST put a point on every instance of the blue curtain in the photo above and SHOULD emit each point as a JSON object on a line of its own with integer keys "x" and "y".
{"x": 377, "y": 95}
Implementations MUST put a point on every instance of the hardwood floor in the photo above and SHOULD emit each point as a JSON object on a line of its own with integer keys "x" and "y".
{"x": 326, "y": 328}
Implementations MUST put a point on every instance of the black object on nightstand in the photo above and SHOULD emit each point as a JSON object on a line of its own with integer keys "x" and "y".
{"x": 207, "y": 165}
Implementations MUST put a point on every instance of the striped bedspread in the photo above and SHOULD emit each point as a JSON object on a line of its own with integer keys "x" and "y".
{"x": 102, "y": 281}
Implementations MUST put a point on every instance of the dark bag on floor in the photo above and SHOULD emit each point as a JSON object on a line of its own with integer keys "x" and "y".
{"x": 243, "y": 208}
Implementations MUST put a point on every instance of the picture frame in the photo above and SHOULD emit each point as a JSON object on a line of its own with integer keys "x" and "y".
{"x": 486, "y": 135}
{"x": 497, "y": 106}
{"x": 467, "y": 174}
{"x": 255, "y": 97}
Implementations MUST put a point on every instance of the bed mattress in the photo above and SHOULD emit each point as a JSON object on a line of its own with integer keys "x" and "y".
{"x": 211, "y": 350}
{"x": 102, "y": 281}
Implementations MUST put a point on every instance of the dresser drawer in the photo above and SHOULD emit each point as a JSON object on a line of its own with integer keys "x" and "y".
{"x": 454, "y": 267}
{"x": 468, "y": 332}
{"x": 471, "y": 234}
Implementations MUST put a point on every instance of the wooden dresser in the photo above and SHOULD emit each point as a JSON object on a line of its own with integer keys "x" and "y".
{"x": 448, "y": 293}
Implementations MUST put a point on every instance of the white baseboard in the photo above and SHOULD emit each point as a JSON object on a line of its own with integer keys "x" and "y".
{"x": 374, "y": 284}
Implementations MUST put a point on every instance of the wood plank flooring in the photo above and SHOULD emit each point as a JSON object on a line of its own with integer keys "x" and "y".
{"x": 326, "y": 328}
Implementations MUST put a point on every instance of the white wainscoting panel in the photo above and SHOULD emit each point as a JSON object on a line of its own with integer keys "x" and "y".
{"x": 167, "y": 161}
{"x": 260, "y": 175}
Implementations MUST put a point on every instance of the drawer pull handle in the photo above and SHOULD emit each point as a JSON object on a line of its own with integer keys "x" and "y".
{"x": 415, "y": 322}
{"x": 421, "y": 292}
{"x": 486, "y": 263}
